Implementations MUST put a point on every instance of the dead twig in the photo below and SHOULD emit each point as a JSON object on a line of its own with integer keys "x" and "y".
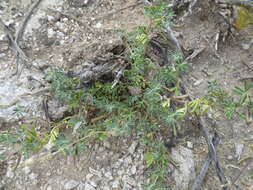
{"x": 162, "y": 49}
{"x": 189, "y": 12}
{"x": 21, "y": 29}
{"x": 13, "y": 41}
{"x": 195, "y": 53}
{"x": 202, "y": 122}
{"x": 211, "y": 148}
{"x": 244, "y": 63}
{"x": 118, "y": 76}
{"x": 246, "y": 78}
{"x": 171, "y": 36}
{"x": 199, "y": 179}
{"x": 241, "y": 172}
{"x": 45, "y": 108}
{"x": 20, "y": 32}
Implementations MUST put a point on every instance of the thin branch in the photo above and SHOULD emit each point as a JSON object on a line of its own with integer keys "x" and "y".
{"x": 241, "y": 172}
{"x": 199, "y": 179}
{"x": 13, "y": 41}
{"x": 171, "y": 36}
{"x": 211, "y": 148}
{"x": 20, "y": 31}
{"x": 118, "y": 76}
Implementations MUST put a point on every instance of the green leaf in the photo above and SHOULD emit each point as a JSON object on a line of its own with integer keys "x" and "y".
{"x": 149, "y": 158}
{"x": 244, "y": 17}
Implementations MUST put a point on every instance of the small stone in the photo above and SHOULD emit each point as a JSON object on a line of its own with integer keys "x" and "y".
{"x": 27, "y": 170}
{"x": 189, "y": 144}
{"x": 50, "y": 18}
{"x": 33, "y": 176}
{"x": 238, "y": 150}
{"x": 129, "y": 180}
{"x": 95, "y": 172}
{"x": 133, "y": 169}
{"x": 2, "y": 55}
{"x": 89, "y": 176}
{"x": 230, "y": 157}
{"x": 117, "y": 165}
{"x": 115, "y": 184}
{"x": 127, "y": 187}
{"x": 48, "y": 174}
{"x": 106, "y": 188}
{"x": 120, "y": 172}
{"x": 198, "y": 82}
{"x": 65, "y": 19}
{"x": 245, "y": 46}
{"x": 98, "y": 25}
{"x": 60, "y": 25}
{"x": 50, "y": 33}
{"x": 9, "y": 174}
{"x": 3, "y": 37}
{"x": 93, "y": 183}
{"x": 108, "y": 175}
{"x": 89, "y": 187}
{"x": 132, "y": 148}
{"x": 128, "y": 160}
{"x": 49, "y": 188}
{"x": 71, "y": 184}
{"x": 107, "y": 144}
{"x": 81, "y": 186}
{"x": 186, "y": 170}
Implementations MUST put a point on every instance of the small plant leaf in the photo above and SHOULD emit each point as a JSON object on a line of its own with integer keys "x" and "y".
{"x": 244, "y": 17}
{"x": 149, "y": 158}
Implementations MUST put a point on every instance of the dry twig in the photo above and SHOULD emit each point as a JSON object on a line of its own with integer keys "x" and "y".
{"x": 211, "y": 148}
{"x": 20, "y": 32}
{"x": 199, "y": 179}
{"x": 171, "y": 36}
{"x": 242, "y": 171}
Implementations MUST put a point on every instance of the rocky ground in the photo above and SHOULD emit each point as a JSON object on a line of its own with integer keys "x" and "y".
{"x": 66, "y": 33}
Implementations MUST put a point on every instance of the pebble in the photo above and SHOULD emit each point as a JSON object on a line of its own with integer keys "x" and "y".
{"x": 95, "y": 172}
{"x": 89, "y": 187}
{"x": 198, "y": 82}
{"x": 98, "y": 25}
{"x": 108, "y": 175}
{"x": 27, "y": 170}
{"x": 9, "y": 173}
{"x": 50, "y": 18}
{"x": 230, "y": 157}
{"x": 115, "y": 184}
{"x": 133, "y": 169}
{"x": 89, "y": 176}
{"x": 71, "y": 184}
{"x": 189, "y": 144}
{"x": 132, "y": 148}
{"x": 129, "y": 180}
{"x": 107, "y": 144}
{"x": 93, "y": 183}
{"x": 128, "y": 160}
{"x": 33, "y": 176}
{"x": 50, "y": 33}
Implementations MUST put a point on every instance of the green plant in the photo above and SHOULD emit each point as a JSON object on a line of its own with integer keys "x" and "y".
{"x": 236, "y": 103}
{"x": 100, "y": 110}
